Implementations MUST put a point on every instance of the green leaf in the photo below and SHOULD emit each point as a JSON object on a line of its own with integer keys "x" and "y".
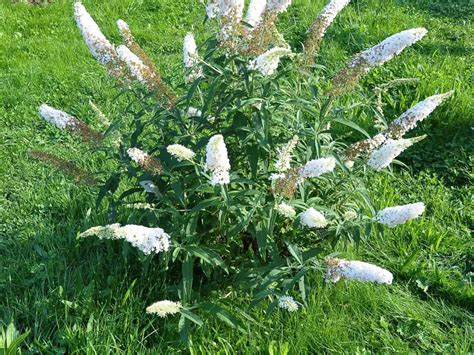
{"x": 206, "y": 255}
{"x": 212, "y": 201}
{"x": 294, "y": 250}
{"x": 192, "y": 317}
{"x": 223, "y": 315}
{"x": 352, "y": 125}
{"x": 187, "y": 270}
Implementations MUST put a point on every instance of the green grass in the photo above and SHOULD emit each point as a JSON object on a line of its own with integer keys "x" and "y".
{"x": 90, "y": 295}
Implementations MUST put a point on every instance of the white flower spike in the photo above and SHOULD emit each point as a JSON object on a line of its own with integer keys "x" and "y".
{"x": 217, "y": 160}
{"x": 255, "y": 12}
{"x": 268, "y": 62}
{"x": 288, "y": 303}
{"x": 389, "y": 151}
{"x": 98, "y": 44}
{"x": 318, "y": 167}
{"x": 148, "y": 240}
{"x": 163, "y": 308}
{"x": 286, "y": 210}
{"x": 356, "y": 270}
{"x": 284, "y": 155}
{"x": 180, "y": 152}
{"x": 393, "y": 216}
{"x": 313, "y": 219}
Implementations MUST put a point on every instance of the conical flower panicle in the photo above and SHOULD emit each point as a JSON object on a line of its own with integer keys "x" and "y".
{"x": 361, "y": 64}
{"x": 313, "y": 219}
{"x": 356, "y": 270}
{"x": 278, "y": 6}
{"x": 398, "y": 128}
{"x": 191, "y": 58}
{"x": 163, "y": 308}
{"x": 264, "y": 36}
{"x": 267, "y": 62}
{"x": 364, "y": 146}
{"x": 285, "y": 210}
{"x": 98, "y": 44}
{"x": 255, "y": 12}
{"x": 135, "y": 58}
{"x": 68, "y": 168}
{"x": 230, "y": 12}
{"x": 317, "y": 167}
{"x": 148, "y": 163}
{"x": 318, "y": 27}
{"x": 288, "y": 303}
{"x": 286, "y": 183}
{"x": 138, "y": 70}
{"x": 389, "y": 151}
{"x": 212, "y": 9}
{"x": 63, "y": 120}
{"x": 408, "y": 120}
{"x": 180, "y": 152}
{"x": 217, "y": 160}
{"x": 393, "y": 216}
{"x": 148, "y": 240}
{"x": 284, "y": 155}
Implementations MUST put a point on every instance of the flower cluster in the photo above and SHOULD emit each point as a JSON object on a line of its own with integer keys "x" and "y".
{"x": 288, "y": 303}
{"x": 138, "y": 70}
{"x": 285, "y": 210}
{"x": 390, "y": 47}
{"x": 254, "y": 12}
{"x": 393, "y": 216}
{"x": 365, "y": 146}
{"x": 377, "y": 55}
{"x": 278, "y": 6}
{"x": 145, "y": 161}
{"x": 408, "y": 120}
{"x": 397, "y": 129}
{"x": 191, "y": 58}
{"x": 389, "y": 151}
{"x": 98, "y": 44}
{"x": 313, "y": 219}
{"x": 267, "y": 62}
{"x": 63, "y": 120}
{"x": 148, "y": 240}
{"x": 59, "y": 118}
{"x": 319, "y": 26}
{"x": 317, "y": 167}
{"x": 284, "y": 155}
{"x": 163, "y": 308}
{"x": 180, "y": 152}
{"x": 217, "y": 160}
{"x": 356, "y": 270}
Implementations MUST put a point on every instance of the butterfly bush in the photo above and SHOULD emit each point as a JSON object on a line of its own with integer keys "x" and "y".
{"x": 239, "y": 162}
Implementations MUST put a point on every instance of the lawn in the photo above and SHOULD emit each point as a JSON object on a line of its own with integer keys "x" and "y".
{"x": 89, "y": 296}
